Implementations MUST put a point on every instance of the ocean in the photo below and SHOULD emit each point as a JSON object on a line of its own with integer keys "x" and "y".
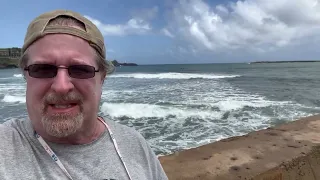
{"x": 177, "y": 107}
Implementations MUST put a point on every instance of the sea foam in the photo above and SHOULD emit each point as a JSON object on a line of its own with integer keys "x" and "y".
{"x": 149, "y": 110}
{"x": 173, "y": 76}
{"x": 14, "y": 99}
{"x": 17, "y": 75}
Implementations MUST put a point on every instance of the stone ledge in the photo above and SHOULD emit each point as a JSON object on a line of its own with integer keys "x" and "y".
{"x": 285, "y": 152}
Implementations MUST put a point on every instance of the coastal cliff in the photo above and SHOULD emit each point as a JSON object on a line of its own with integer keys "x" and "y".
{"x": 264, "y": 62}
{"x": 9, "y": 58}
{"x": 6, "y": 63}
{"x": 285, "y": 152}
{"x": 116, "y": 63}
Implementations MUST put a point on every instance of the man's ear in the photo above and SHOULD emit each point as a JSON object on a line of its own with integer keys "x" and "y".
{"x": 103, "y": 77}
{"x": 24, "y": 75}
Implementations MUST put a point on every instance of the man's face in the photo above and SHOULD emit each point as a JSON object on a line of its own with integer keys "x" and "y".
{"x": 62, "y": 105}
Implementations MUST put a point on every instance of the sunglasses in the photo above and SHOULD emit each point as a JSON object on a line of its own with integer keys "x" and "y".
{"x": 50, "y": 71}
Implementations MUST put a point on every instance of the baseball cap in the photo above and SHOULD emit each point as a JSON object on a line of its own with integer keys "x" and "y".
{"x": 38, "y": 28}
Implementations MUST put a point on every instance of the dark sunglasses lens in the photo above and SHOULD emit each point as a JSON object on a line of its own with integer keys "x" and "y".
{"x": 81, "y": 71}
{"x": 42, "y": 71}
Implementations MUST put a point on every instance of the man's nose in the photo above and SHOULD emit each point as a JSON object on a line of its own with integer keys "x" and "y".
{"x": 62, "y": 82}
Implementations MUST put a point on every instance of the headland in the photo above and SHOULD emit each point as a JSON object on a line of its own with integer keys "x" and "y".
{"x": 9, "y": 58}
{"x": 116, "y": 63}
{"x": 261, "y": 62}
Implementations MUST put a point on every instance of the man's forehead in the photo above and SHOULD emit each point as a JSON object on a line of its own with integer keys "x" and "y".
{"x": 61, "y": 48}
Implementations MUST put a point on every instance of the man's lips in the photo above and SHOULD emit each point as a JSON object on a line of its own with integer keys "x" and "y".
{"x": 63, "y": 108}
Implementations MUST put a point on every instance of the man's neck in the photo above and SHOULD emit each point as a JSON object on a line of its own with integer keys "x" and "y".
{"x": 84, "y": 136}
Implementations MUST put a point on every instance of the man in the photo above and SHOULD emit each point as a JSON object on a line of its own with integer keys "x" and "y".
{"x": 64, "y": 66}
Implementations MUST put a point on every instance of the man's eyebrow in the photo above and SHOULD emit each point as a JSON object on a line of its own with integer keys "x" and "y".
{"x": 41, "y": 62}
{"x": 78, "y": 61}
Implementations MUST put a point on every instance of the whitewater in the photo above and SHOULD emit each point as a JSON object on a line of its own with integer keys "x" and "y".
{"x": 178, "y": 107}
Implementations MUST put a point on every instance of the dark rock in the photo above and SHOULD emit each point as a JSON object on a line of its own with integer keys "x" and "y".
{"x": 117, "y": 64}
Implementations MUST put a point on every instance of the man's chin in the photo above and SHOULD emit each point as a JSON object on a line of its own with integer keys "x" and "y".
{"x": 62, "y": 125}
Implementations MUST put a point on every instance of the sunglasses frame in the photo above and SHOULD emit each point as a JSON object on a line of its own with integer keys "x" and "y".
{"x": 61, "y": 67}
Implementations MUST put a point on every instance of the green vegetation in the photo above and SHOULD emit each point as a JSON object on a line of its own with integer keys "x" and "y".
{"x": 116, "y": 63}
{"x": 296, "y": 61}
{"x": 9, "y": 58}
{"x": 8, "y": 62}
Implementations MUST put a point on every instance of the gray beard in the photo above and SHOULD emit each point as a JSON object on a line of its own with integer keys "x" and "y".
{"x": 62, "y": 125}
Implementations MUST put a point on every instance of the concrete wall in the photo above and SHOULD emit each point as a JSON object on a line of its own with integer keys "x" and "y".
{"x": 287, "y": 152}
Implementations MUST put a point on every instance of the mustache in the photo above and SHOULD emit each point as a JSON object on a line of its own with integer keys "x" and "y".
{"x": 54, "y": 98}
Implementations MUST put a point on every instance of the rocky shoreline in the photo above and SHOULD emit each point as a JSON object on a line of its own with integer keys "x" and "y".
{"x": 8, "y": 63}
{"x": 288, "y": 151}
{"x": 10, "y": 66}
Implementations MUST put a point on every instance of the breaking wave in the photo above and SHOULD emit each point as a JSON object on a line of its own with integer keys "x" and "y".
{"x": 173, "y": 76}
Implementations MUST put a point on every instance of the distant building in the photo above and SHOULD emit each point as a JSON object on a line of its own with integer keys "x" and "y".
{"x": 10, "y": 52}
{"x": 4, "y": 53}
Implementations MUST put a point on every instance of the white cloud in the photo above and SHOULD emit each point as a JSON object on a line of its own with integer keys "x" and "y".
{"x": 133, "y": 26}
{"x": 110, "y": 50}
{"x": 256, "y": 25}
{"x": 222, "y": 9}
{"x": 167, "y": 32}
{"x": 145, "y": 14}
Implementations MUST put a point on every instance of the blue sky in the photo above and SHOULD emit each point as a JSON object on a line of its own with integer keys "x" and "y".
{"x": 186, "y": 31}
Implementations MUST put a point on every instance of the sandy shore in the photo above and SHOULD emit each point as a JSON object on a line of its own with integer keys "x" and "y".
{"x": 289, "y": 151}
